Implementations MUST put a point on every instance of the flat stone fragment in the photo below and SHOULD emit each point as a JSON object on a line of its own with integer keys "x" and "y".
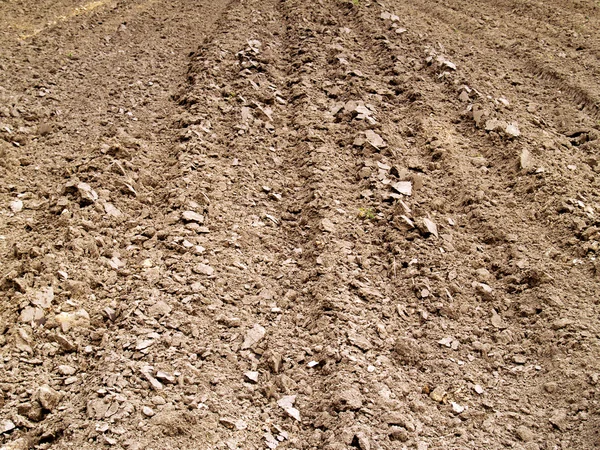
{"x": 286, "y": 402}
{"x": 253, "y": 336}
{"x": 16, "y": 206}
{"x": 48, "y": 397}
{"x": 192, "y": 216}
{"x": 328, "y": 225}
{"x": 430, "y": 226}
{"x": 204, "y": 269}
{"x": 374, "y": 139}
{"x": 6, "y": 426}
{"x": 403, "y": 187}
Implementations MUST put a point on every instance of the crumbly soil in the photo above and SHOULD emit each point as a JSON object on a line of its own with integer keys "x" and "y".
{"x": 255, "y": 224}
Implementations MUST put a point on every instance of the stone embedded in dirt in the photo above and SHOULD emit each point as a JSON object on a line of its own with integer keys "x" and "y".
{"x": 524, "y": 433}
{"x": 438, "y": 394}
{"x": 204, "y": 269}
{"x": 429, "y": 227}
{"x": 66, "y": 370}
{"x": 192, "y": 216}
{"x": 165, "y": 377}
{"x": 31, "y": 410}
{"x": 561, "y": 323}
{"x": 159, "y": 309}
{"x": 497, "y": 321}
{"x": 253, "y": 336}
{"x": 512, "y": 129}
{"x": 68, "y": 320}
{"x": 87, "y": 193}
{"x": 30, "y": 314}
{"x": 48, "y": 397}
{"x": 43, "y": 297}
{"x": 359, "y": 341}
{"x": 111, "y": 210}
{"x": 403, "y": 187}
{"x": 362, "y": 440}
{"x": 348, "y": 400}
{"x": 458, "y": 409}
{"x": 374, "y": 139}
{"x": 287, "y": 404}
{"x": 7, "y": 425}
{"x": 147, "y": 411}
{"x": 464, "y": 96}
{"x": 251, "y": 376}
{"x": 230, "y": 322}
{"x": 23, "y": 341}
{"x": 477, "y": 388}
{"x": 141, "y": 345}
{"x": 327, "y": 225}
{"x": 519, "y": 359}
{"x": 147, "y": 373}
{"x": 559, "y": 419}
{"x": 16, "y": 206}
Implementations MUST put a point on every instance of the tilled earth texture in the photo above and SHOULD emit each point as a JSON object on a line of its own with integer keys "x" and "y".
{"x": 329, "y": 224}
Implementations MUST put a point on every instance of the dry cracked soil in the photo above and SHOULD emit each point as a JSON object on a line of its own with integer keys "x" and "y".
{"x": 260, "y": 224}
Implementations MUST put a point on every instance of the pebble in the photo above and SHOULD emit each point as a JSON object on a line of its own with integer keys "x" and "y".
{"x": 204, "y": 269}
{"x": 48, "y": 397}
{"x": 191, "y": 216}
{"x": 328, "y": 225}
{"x": 159, "y": 309}
{"x": 66, "y": 370}
{"x": 147, "y": 411}
{"x": 6, "y": 426}
{"x": 16, "y": 206}
{"x": 524, "y": 433}
{"x": 286, "y": 403}
{"x": 253, "y": 336}
{"x": 403, "y": 187}
{"x": 251, "y": 376}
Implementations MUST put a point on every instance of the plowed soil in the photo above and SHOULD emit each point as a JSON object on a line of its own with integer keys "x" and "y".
{"x": 281, "y": 224}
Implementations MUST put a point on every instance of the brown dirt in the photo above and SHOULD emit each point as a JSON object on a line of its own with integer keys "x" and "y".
{"x": 306, "y": 304}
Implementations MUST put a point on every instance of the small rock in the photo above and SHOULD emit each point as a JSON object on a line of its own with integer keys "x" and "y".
{"x": 48, "y": 397}
{"x": 464, "y": 96}
{"x": 561, "y": 323}
{"x": 525, "y": 160}
{"x": 559, "y": 419}
{"x": 253, "y": 336}
{"x": 512, "y": 130}
{"x": 16, "y": 206}
{"x": 191, "y": 216}
{"x": 70, "y": 380}
{"x": 524, "y": 433}
{"x": 251, "y": 376}
{"x": 111, "y": 210}
{"x": 17, "y": 444}
{"x": 204, "y": 269}
{"x": 6, "y": 426}
{"x": 497, "y": 321}
{"x": 438, "y": 394}
{"x": 550, "y": 387}
{"x": 165, "y": 377}
{"x": 519, "y": 359}
{"x": 66, "y": 370}
{"x": 403, "y": 187}
{"x": 87, "y": 193}
{"x": 147, "y": 411}
{"x": 430, "y": 227}
{"x": 159, "y": 309}
{"x": 363, "y": 441}
{"x": 458, "y": 409}
{"x": 43, "y": 297}
{"x": 374, "y": 139}
{"x": 286, "y": 402}
{"x": 327, "y": 225}
{"x": 477, "y": 388}
{"x": 348, "y": 400}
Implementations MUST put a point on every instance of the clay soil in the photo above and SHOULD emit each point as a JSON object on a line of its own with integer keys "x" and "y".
{"x": 326, "y": 224}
